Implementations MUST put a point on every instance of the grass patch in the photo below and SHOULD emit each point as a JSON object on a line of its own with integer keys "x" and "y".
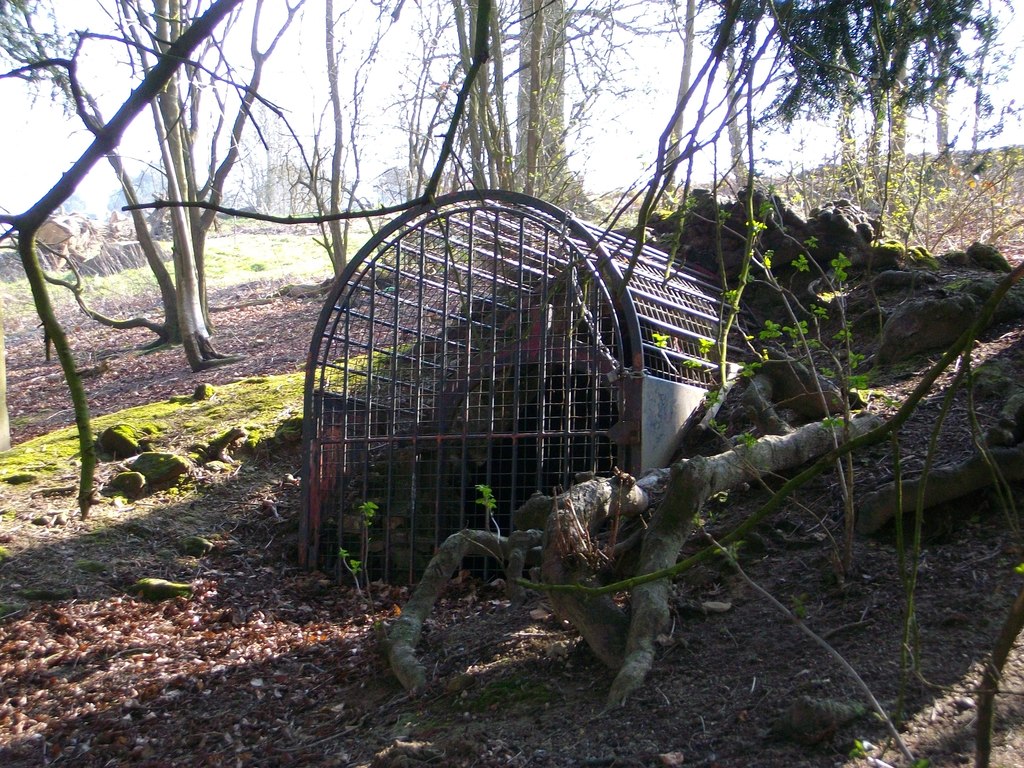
{"x": 238, "y": 252}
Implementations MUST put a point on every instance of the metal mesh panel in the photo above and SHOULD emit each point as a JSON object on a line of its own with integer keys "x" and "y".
{"x": 675, "y": 310}
{"x": 495, "y": 341}
{"x": 473, "y": 349}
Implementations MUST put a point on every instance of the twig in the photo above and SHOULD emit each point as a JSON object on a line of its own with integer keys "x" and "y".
{"x": 824, "y": 644}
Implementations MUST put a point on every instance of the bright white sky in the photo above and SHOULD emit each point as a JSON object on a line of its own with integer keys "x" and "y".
{"x": 39, "y": 142}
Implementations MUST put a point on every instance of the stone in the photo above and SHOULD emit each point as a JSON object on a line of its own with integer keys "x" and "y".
{"x": 161, "y": 469}
{"x": 122, "y": 441}
{"x": 160, "y": 589}
{"x": 289, "y": 430}
{"x": 902, "y": 280}
{"x": 131, "y": 485}
{"x": 981, "y": 288}
{"x": 203, "y": 392}
{"x": 925, "y": 324}
{"x": 195, "y": 546}
{"x": 985, "y": 256}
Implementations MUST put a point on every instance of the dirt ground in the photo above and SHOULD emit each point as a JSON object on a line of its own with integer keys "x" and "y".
{"x": 270, "y": 665}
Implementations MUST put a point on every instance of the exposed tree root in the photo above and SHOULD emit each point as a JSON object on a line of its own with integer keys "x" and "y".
{"x": 942, "y": 484}
{"x": 573, "y": 554}
{"x": 692, "y": 482}
{"x": 404, "y": 632}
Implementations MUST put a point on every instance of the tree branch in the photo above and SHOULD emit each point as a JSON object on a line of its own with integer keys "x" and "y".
{"x": 27, "y": 224}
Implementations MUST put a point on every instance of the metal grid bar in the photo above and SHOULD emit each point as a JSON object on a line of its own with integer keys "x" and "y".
{"x": 475, "y": 345}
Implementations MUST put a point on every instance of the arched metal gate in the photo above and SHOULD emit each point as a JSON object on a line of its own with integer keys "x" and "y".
{"x": 488, "y": 341}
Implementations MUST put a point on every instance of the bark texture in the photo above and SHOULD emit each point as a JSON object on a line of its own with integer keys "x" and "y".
{"x": 940, "y": 485}
{"x": 404, "y": 634}
{"x": 692, "y": 482}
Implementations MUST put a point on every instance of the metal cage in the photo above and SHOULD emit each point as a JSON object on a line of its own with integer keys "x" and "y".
{"x": 478, "y": 350}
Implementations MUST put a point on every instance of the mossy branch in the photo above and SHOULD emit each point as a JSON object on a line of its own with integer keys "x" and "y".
{"x": 79, "y": 401}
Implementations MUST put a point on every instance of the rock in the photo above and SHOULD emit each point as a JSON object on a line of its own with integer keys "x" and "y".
{"x": 131, "y": 485}
{"x": 920, "y": 256}
{"x": 994, "y": 377}
{"x": 887, "y": 255}
{"x": 840, "y": 227}
{"x": 160, "y": 589}
{"x": 984, "y": 256}
{"x": 160, "y": 469}
{"x": 122, "y": 441}
{"x": 902, "y": 280}
{"x": 45, "y": 593}
{"x": 924, "y": 324}
{"x": 460, "y": 683}
{"x": 289, "y": 430}
{"x": 814, "y": 721}
{"x": 195, "y": 546}
{"x": 956, "y": 258}
{"x": 981, "y": 288}
{"x": 218, "y": 448}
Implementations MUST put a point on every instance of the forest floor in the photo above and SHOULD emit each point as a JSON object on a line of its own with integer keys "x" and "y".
{"x": 268, "y": 664}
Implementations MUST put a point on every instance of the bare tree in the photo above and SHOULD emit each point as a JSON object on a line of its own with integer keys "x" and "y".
{"x": 689, "y": 36}
{"x": 28, "y": 223}
{"x": 540, "y": 146}
{"x": 178, "y": 115}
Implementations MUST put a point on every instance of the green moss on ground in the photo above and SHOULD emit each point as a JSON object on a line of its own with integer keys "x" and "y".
{"x": 259, "y": 404}
{"x": 508, "y": 692}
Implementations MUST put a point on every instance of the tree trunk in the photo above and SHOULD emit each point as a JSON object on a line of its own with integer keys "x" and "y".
{"x": 337, "y": 244}
{"x": 689, "y": 36}
{"x": 170, "y": 126}
{"x": 735, "y": 132}
{"x": 541, "y": 103}
{"x": 55, "y": 332}
{"x": 941, "y": 106}
{"x": 5, "y": 426}
{"x": 168, "y": 293}
{"x": 851, "y": 179}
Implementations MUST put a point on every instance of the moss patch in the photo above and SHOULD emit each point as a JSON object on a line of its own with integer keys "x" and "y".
{"x": 919, "y": 256}
{"x": 985, "y": 256}
{"x": 510, "y": 691}
{"x": 124, "y": 440}
{"x": 160, "y": 589}
{"x": 90, "y": 566}
{"x": 259, "y": 404}
{"x": 160, "y": 469}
